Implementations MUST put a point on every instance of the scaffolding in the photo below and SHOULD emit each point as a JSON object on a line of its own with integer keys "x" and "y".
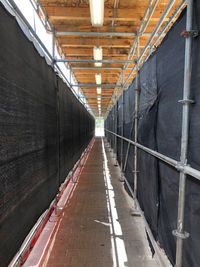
{"x": 181, "y": 166}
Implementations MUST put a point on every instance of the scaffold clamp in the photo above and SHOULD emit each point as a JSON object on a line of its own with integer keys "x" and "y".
{"x": 182, "y": 235}
{"x": 186, "y": 101}
{"x": 193, "y": 33}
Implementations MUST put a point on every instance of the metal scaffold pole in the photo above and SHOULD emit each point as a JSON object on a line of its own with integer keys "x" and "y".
{"x": 116, "y": 132}
{"x": 53, "y": 48}
{"x": 180, "y": 233}
{"x": 122, "y": 127}
{"x": 137, "y": 100}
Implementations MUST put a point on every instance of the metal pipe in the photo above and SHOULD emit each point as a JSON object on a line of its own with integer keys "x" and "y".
{"x": 102, "y": 97}
{"x": 137, "y": 99}
{"x": 70, "y": 77}
{"x": 53, "y": 48}
{"x": 96, "y": 68}
{"x": 102, "y": 33}
{"x": 95, "y": 94}
{"x": 122, "y": 131}
{"x": 97, "y": 33}
{"x": 174, "y": 163}
{"x": 180, "y": 234}
{"x": 93, "y": 61}
{"x": 94, "y": 85}
{"x": 115, "y": 128}
{"x": 142, "y": 30}
{"x": 43, "y": 14}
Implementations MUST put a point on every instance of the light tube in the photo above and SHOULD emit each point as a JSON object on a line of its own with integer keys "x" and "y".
{"x": 98, "y": 90}
{"x": 98, "y": 54}
{"x": 98, "y": 78}
{"x": 97, "y": 12}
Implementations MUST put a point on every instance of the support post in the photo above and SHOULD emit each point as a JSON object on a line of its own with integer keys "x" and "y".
{"x": 70, "y": 76}
{"x": 122, "y": 131}
{"x": 137, "y": 100}
{"x": 53, "y": 48}
{"x": 115, "y": 135}
{"x": 180, "y": 233}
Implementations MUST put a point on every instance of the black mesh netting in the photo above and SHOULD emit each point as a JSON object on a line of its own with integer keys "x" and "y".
{"x": 161, "y": 82}
{"x": 44, "y": 130}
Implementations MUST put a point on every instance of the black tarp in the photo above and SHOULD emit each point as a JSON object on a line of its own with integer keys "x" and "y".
{"x": 160, "y": 117}
{"x": 44, "y": 129}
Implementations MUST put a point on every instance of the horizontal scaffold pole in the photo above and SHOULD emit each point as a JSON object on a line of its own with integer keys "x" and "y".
{"x": 93, "y": 61}
{"x": 172, "y": 162}
{"x": 94, "y": 85}
{"x": 101, "y": 33}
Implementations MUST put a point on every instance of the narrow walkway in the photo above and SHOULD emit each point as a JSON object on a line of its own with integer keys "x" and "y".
{"x": 97, "y": 229}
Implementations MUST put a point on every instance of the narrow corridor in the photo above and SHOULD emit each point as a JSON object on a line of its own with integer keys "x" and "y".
{"x": 96, "y": 228}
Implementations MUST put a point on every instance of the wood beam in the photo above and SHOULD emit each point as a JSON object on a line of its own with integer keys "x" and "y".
{"x": 75, "y": 51}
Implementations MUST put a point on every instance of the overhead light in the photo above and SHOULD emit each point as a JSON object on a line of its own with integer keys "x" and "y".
{"x": 98, "y": 78}
{"x": 98, "y": 54}
{"x": 99, "y": 98}
{"x": 97, "y": 12}
{"x": 98, "y": 90}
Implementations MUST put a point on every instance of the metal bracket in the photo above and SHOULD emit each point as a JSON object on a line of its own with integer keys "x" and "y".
{"x": 193, "y": 33}
{"x": 186, "y": 101}
{"x": 182, "y": 235}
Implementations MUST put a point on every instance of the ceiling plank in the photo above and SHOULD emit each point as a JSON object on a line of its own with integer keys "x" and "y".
{"x": 76, "y": 13}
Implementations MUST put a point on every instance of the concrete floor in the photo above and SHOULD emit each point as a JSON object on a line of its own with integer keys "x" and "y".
{"x": 96, "y": 229}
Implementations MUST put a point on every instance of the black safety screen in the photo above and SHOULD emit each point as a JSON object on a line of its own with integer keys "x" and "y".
{"x": 160, "y": 119}
{"x": 44, "y": 129}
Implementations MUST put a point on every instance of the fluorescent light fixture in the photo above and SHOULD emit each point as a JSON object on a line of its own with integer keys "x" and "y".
{"x": 98, "y": 78}
{"x": 97, "y": 12}
{"x": 98, "y": 54}
{"x": 99, "y": 98}
{"x": 98, "y": 90}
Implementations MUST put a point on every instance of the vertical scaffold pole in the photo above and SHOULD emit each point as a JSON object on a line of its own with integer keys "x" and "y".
{"x": 180, "y": 233}
{"x": 53, "y": 47}
{"x": 122, "y": 131}
{"x": 70, "y": 76}
{"x": 137, "y": 100}
{"x": 116, "y": 133}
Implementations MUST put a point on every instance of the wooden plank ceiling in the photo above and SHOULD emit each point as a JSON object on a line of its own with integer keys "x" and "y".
{"x": 119, "y": 16}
